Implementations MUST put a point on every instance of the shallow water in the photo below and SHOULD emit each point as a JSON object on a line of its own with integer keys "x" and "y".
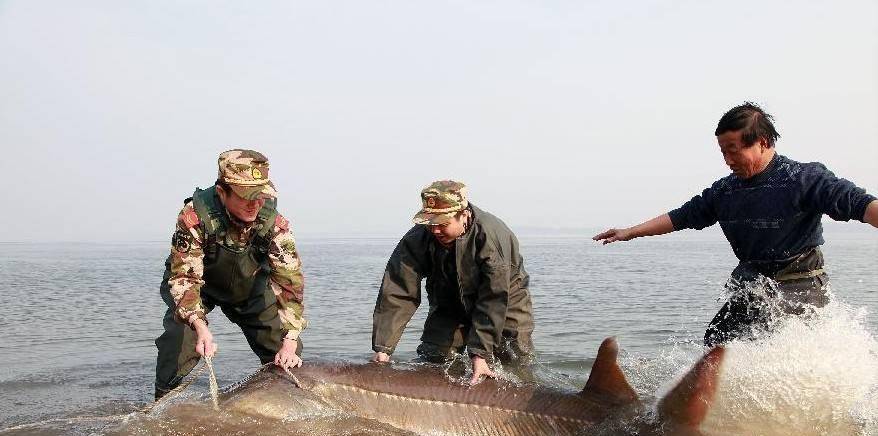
{"x": 79, "y": 320}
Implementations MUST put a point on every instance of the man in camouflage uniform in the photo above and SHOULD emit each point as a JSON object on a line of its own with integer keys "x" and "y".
{"x": 231, "y": 249}
{"x": 476, "y": 285}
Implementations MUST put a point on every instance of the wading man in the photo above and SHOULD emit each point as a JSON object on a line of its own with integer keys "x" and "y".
{"x": 769, "y": 209}
{"x": 476, "y": 286}
{"x": 231, "y": 249}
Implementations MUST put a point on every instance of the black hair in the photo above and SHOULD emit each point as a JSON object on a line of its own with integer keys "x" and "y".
{"x": 222, "y": 184}
{"x": 753, "y": 122}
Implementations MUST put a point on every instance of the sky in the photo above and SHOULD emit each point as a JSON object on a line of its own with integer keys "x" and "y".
{"x": 557, "y": 114}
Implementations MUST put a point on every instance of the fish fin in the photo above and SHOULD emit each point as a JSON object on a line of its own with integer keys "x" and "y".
{"x": 606, "y": 379}
{"x": 687, "y": 404}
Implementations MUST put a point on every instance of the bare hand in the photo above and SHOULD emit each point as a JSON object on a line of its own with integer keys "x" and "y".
{"x": 480, "y": 368}
{"x": 613, "y": 235}
{"x": 204, "y": 344}
{"x": 286, "y": 357}
{"x": 381, "y": 357}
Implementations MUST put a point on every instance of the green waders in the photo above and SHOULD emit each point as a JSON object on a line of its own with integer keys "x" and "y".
{"x": 236, "y": 280}
{"x": 444, "y": 339}
{"x": 797, "y": 289}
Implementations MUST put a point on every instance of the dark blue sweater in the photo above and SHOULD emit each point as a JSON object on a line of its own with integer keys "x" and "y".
{"x": 774, "y": 215}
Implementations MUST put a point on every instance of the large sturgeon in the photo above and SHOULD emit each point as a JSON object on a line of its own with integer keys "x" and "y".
{"x": 421, "y": 399}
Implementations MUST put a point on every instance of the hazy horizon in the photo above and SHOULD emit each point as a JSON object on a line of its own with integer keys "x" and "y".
{"x": 556, "y": 114}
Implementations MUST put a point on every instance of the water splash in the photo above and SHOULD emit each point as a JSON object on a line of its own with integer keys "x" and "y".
{"x": 812, "y": 376}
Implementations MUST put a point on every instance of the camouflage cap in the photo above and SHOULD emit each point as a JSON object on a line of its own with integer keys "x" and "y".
{"x": 246, "y": 172}
{"x": 441, "y": 201}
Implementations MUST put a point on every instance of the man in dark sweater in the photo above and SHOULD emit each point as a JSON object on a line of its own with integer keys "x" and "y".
{"x": 769, "y": 209}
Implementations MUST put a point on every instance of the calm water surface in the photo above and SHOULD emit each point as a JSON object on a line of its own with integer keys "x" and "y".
{"x": 78, "y": 320}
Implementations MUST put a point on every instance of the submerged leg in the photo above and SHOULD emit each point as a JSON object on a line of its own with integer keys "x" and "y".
{"x": 744, "y": 316}
{"x": 259, "y": 320}
{"x": 176, "y": 347}
{"x": 443, "y": 338}
{"x": 176, "y": 355}
{"x": 435, "y": 353}
{"x": 748, "y": 315}
{"x": 803, "y": 296}
{"x": 516, "y": 355}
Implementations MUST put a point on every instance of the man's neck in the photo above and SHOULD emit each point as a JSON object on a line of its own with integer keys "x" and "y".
{"x": 766, "y": 161}
{"x": 234, "y": 221}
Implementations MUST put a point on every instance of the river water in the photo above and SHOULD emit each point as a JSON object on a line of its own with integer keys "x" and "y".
{"x": 78, "y": 322}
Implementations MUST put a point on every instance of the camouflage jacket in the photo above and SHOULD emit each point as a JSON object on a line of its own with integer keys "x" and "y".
{"x": 187, "y": 268}
{"x": 489, "y": 295}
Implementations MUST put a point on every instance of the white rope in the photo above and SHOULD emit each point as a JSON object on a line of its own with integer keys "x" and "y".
{"x": 214, "y": 387}
{"x": 182, "y": 387}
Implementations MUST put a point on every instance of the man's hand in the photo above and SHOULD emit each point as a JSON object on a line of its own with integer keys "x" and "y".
{"x": 657, "y": 226}
{"x": 381, "y": 357}
{"x": 204, "y": 344}
{"x": 871, "y": 215}
{"x": 480, "y": 368}
{"x": 613, "y": 235}
{"x": 286, "y": 357}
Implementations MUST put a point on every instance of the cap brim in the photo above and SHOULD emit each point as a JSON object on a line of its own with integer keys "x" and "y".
{"x": 432, "y": 219}
{"x": 255, "y": 192}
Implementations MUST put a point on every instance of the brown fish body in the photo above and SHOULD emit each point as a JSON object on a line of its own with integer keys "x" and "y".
{"x": 423, "y": 399}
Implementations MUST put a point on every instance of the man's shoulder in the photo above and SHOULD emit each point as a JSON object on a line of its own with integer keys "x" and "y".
{"x": 415, "y": 242}
{"x": 725, "y": 183}
{"x": 187, "y": 217}
{"x": 189, "y": 214}
{"x": 810, "y": 167}
{"x": 417, "y": 233}
{"x": 789, "y": 167}
{"x": 802, "y": 170}
{"x": 281, "y": 224}
{"x": 489, "y": 222}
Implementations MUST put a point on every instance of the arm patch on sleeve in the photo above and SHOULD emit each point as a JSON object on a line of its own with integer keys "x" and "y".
{"x": 182, "y": 241}
{"x": 281, "y": 223}
{"x": 190, "y": 218}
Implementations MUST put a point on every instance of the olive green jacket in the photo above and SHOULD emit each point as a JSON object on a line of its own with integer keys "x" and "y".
{"x": 491, "y": 281}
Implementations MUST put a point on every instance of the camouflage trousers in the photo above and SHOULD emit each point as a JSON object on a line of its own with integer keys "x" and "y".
{"x": 750, "y": 313}
{"x": 257, "y": 317}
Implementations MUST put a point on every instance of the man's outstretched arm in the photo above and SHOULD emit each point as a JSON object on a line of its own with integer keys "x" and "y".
{"x": 657, "y": 226}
